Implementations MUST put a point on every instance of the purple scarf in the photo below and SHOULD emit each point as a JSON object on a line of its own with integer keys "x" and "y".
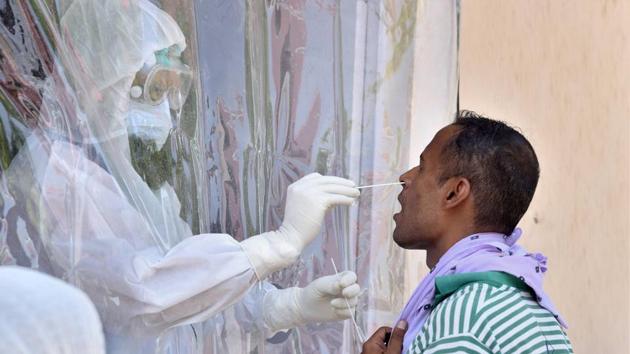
{"x": 482, "y": 252}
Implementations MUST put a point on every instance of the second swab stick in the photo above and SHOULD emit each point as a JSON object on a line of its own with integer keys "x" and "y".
{"x": 359, "y": 333}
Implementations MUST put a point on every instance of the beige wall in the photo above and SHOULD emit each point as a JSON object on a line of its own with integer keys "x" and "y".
{"x": 560, "y": 70}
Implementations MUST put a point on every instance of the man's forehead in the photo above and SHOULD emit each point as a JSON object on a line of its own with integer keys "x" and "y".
{"x": 440, "y": 138}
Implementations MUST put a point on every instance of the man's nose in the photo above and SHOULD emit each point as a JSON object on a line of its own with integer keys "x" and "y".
{"x": 405, "y": 178}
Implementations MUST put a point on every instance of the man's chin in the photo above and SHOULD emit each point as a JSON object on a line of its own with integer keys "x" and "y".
{"x": 407, "y": 240}
{"x": 398, "y": 239}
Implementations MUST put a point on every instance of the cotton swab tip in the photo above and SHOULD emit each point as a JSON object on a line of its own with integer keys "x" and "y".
{"x": 381, "y": 185}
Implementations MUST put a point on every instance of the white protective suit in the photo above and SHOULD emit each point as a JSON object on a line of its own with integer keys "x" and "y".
{"x": 124, "y": 244}
{"x": 43, "y": 315}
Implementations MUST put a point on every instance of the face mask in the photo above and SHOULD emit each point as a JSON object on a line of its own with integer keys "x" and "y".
{"x": 149, "y": 122}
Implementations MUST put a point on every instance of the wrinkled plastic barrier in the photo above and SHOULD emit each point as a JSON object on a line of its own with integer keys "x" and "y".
{"x": 282, "y": 89}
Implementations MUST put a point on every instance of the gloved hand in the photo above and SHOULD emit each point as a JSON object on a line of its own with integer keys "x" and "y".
{"x": 320, "y": 301}
{"x": 307, "y": 201}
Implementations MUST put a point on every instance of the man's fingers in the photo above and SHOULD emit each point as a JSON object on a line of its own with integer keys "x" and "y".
{"x": 376, "y": 343}
{"x": 394, "y": 346}
{"x": 380, "y": 334}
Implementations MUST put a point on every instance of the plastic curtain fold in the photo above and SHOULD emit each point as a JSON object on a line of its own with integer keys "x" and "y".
{"x": 291, "y": 87}
{"x": 281, "y": 89}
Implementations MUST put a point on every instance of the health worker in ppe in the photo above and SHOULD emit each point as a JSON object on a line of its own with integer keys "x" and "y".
{"x": 40, "y": 314}
{"x": 123, "y": 242}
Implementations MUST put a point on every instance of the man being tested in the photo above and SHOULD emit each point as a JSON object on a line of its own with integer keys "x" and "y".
{"x": 461, "y": 204}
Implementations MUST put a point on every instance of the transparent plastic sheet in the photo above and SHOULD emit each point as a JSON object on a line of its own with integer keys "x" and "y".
{"x": 97, "y": 198}
{"x": 291, "y": 87}
{"x": 283, "y": 88}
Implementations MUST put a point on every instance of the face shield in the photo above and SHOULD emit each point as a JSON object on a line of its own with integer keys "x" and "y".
{"x": 111, "y": 43}
{"x": 132, "y": 84}
{"x": 164, "y": 77}
{"x": 157, "y": 95}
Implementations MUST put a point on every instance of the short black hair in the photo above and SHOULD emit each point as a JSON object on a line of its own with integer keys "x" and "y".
{"x": 500, "y": 165}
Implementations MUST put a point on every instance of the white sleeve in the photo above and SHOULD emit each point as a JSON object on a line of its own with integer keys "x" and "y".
{"x": 140, "y": 289}
{"x": 96, "y": 240}
{"x": 249, "y": 314}
{"x": 198, "y": 278}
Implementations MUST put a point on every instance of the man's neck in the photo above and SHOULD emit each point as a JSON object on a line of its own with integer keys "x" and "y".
{"x": 435, "y": 253}
{"x": 446, "y": 241}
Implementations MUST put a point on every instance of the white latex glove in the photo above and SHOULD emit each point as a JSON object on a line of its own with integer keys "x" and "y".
{"x": 322, "y": 300}
{"x": 307, "y": 201}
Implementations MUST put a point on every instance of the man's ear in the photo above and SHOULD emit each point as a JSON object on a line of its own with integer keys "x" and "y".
{"x": 455, "y": 191}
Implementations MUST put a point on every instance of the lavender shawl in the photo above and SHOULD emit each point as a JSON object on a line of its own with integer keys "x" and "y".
{"x": 481, "y": 252}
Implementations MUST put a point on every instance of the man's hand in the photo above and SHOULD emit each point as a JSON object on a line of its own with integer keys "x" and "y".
{"x": 384, "y": 341}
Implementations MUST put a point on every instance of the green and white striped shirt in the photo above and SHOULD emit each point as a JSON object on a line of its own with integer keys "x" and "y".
{"x": 490, "y": 317}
